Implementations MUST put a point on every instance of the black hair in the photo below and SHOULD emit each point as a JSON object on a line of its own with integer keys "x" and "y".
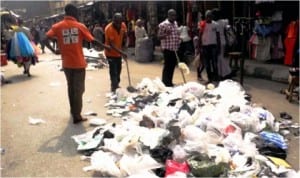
{"x": 71, "y": 10}
{"x": 216, "y": 13}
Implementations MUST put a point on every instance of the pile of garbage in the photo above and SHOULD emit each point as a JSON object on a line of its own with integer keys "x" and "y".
{"x": 95, "y": 59}
{"x": 187, "y": 131}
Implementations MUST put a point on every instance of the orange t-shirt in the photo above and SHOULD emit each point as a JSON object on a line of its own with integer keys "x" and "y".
{"x": 116, "y": 38}
{"x": 70, "y": 34}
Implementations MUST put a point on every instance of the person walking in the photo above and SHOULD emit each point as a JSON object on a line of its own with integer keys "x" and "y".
{"x": 210, "y": 45}
{"x": 115, "y": 34}
{"x": 42, "y": 36}
{"x": 170, "y": 41}
{"x": 98, "y": 33}
{"x": 20, "y": 48}
{"x": 70, "y": 34}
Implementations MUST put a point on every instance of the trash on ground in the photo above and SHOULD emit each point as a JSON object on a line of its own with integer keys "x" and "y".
{"x": 35, "y": 121}
{"x": 90, "y": 113}
{"x": 188, "y": 131}
{"x": 2, "y": 151}
{"x": 97, "y": 121}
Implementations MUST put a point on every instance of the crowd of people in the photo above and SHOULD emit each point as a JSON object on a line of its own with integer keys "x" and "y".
{"x": 68, "y": 36}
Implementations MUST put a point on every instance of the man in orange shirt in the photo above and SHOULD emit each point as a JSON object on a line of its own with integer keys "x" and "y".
{"x": 115, "y": 33}
{"x": 70, "y": 34}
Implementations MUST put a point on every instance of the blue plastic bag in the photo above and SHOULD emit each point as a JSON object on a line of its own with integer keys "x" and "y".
{"x": 14, "y": 47}
{"x": 25, "y": 46}
{"x": 274, "y": 138}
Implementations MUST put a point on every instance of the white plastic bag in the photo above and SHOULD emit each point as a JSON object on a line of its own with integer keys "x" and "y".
{"x": 135, "y": 164}
{"x": 179, "y": 154}
{"x": 104, "y": 162}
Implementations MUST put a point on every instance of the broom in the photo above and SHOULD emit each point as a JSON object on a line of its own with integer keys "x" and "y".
{"x": 181, "y": 71}
{"x": 130, "y": 88}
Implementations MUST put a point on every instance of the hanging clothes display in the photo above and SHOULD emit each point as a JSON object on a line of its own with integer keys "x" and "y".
{"x": 253, "y": 42}
{"x": 263, "y": 48}
{"x": 277, "y": 51}
{"x": 261, "y": 41}
{"x": 130, "y": 14}
{"x": 292, "y": 34}
{"x": 21, "y": 50}
{"x": 242, "y": 27}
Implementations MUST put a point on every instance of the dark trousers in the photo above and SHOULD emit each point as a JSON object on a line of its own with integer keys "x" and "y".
{"x": 42, "y": 46}
{"x": 211, "y": 61}
{"x": 200, "y": 69}
{"x": 169, "y": 67}
{"x": 115, "y": 67}
{"x": 76, "y": 86}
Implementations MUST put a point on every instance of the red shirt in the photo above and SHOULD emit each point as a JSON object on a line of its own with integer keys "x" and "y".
{"x": 70, "y": 34}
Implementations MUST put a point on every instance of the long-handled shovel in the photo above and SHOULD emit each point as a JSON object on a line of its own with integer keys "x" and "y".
{"x": 178, "y": 61}
{"x": 130, "y": 88}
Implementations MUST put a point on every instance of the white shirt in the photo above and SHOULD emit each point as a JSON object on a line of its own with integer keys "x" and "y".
{"x": 222, "y": 23}
{"x": 209, "y": 36}
{"x": 139, "y": 32}
{"x": 184, "y": 35}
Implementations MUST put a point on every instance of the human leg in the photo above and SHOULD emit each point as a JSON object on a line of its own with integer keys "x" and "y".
{"x": 69, "y": 78}
{"x": 169, "y": 67}
{"x": 26, "y": 65}
{"x": 207, "y": 62}
{"x": 76, "y": 86}
{"x": 114, "y": 72}
{"x": 214, "y": 57}
{"x": 43, "y": 46}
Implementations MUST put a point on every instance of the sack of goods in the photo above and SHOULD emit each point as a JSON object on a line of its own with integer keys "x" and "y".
{"x": 144, "y": 50}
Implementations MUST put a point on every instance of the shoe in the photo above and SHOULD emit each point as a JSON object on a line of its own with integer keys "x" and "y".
{"x": 207, "y": 82}
{"x": 286, "y": 116}
{"x": 200, "y": 79}
{"x": 79, "y": 120}
{"x": 113, "y": 89}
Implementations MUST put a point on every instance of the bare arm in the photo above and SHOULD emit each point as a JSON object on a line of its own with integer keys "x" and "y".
{"x": 95, "y": 41}
{"x": 47, "y": 44}
{"x": 124, "y": 55}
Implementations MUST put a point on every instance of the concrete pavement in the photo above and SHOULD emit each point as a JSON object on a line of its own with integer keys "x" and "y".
{"x": 254, "y": 68}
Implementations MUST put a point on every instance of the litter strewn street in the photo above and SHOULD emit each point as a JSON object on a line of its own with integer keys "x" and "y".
{"x": 36, "y": 128}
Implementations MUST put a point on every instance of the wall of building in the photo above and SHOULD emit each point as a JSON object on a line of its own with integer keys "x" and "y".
{"x": 28, "y": 9}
